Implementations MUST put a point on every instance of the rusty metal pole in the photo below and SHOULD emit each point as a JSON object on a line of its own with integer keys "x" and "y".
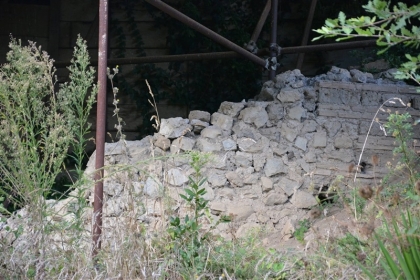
{"x": 273, "y": 44}
{"x": 229, "y": 54}
{"x": 252, "y": 44}
{"x": 306, "y": 33}
{"x": 100, "y": 126}
{"x": 206, "y": 31}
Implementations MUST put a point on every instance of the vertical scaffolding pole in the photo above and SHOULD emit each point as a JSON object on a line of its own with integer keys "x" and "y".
{"x": 100, "y": 127}
{"x": 273, "y": 43}
{"x": 305, "y": 37}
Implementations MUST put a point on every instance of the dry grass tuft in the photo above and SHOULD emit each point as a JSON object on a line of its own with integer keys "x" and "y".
{"x": 366, "y": 192}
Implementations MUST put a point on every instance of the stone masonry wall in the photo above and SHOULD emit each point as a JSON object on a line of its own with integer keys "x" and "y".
{"x": 272, "y": 155}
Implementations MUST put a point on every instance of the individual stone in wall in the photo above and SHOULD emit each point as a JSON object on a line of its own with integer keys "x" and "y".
{"x": 182, "y": 144}
{"x": 174, "y": 127}
{"x": 289, "y": 95}
{"x": 199, "y": 115}
{"x": 268, "y": 93}
{"x": 161, "y": 141}
{"x": 229, "y": 145}
{"x": 274, "y": 166}
{"x": 275, "y": 111}
{"x": 211, "y": 132}
{"x": 302, "y": 199}
{"x": 291, "y": 78}
{"x": 339, "y": 74}
{"x": 176, "y": 177}
{"x": 208, "y": 145}
{"x": 230, "y": 108}
{"x": 254, "y": 115}
{"x": 225, "y": 122}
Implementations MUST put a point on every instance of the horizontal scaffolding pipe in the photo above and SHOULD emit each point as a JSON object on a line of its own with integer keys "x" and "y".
{"x": 222, "y": 55}
{"x": 329, "y": 47}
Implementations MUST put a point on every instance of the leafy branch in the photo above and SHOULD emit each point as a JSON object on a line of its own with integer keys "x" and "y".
{"x": 390, "y": 26}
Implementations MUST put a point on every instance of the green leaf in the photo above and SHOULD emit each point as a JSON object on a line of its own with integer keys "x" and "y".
{"x": 347, "y": 30}
{"x": 411, "y": 58}
{"x": 363, "y": 32}
{"x": 225, "y": 219}
{"x": 390, "y": 265}
{"x": 344, "y": 38}
{"x": 202, "y": 181}
{"x": 330, "y": 23}
{"x": 194, "y": 226}
{"x": 189, "y": 192}
{"x": 400, "y": 23}
{"x": 342, "y": 18}
{"x": 387, "y": 36}
{"x": 174, "y": 221}
{"x": 202, "y": 191}
{"x": 316, "y": 38}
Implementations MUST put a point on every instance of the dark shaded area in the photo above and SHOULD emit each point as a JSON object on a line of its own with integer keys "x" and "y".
{"x": 325, "y": 196}
{"x": 30, "y": 2}
{"x": 203, "y": 85}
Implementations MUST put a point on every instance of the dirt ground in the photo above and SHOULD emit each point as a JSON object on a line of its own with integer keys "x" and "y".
{"x": 334, "y": 223}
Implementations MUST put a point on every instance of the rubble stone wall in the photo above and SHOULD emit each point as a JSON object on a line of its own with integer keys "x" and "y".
{"x": 272, "y": 155}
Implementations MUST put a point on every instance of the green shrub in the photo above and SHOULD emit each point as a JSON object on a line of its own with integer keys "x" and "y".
{"x": 38, "y": 127}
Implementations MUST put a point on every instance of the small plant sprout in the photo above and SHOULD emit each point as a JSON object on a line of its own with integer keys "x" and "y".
{"x": 119, "y": 125}
{"x": 300, "y": 231}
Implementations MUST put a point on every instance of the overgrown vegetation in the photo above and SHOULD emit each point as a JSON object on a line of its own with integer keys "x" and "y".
{"x": 397, "y": 237}
{"x": 39, "y": 125}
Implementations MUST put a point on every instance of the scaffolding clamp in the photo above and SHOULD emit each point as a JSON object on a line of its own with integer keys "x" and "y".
{"x": 251, "y": 47}
{"x": 271, "y": 63}
{"x": 275, "y": 49}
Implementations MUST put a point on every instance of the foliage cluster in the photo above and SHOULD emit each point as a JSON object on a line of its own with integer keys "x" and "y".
{"x": 39, "y": 125}
{"x": 391, "y": 26}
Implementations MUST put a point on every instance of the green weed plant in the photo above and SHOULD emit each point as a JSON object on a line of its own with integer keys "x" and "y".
{"x": 39, "y": 124}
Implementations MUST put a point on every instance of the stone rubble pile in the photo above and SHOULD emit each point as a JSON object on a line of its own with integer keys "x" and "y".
{"x": 272, "y": 155}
